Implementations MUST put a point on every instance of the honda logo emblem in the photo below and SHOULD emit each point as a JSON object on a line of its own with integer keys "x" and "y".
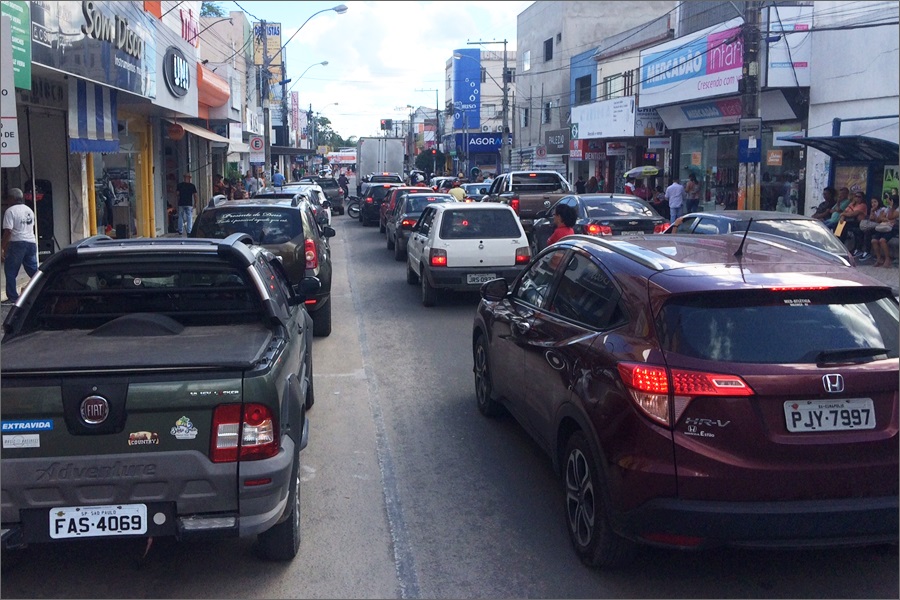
{"x": 834, "y": 383}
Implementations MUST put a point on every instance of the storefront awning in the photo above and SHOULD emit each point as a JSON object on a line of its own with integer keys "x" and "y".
{"x": 852, "y": 147}
{"x": 200, "y": 131}
{"x": 93, "y": 117}
{"x": 239, "y": 148}
{"x": 290, "y": 151}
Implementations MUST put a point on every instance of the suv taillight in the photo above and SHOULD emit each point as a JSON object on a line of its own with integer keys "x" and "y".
{"x": 310, "y": 254}
{"x": 243, "y": 432}
{"x": 651, "y": 393}
{"x": 514, "y": 203}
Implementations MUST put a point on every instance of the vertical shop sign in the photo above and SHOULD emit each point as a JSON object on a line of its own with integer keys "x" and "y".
{"x": 9, "y": 128}
{"x": 891, "y": 183}
{"x": 19, "y": 35}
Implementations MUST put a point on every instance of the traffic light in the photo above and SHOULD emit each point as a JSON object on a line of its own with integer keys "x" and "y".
{"x": 387, "y": 124}
{"x": 383, "y": 124}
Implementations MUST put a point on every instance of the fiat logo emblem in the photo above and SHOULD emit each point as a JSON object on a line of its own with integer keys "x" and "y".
{"x": 94, "y": 410}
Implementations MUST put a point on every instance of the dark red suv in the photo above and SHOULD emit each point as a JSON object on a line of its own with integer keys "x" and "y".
{"x": 696, "y": 391}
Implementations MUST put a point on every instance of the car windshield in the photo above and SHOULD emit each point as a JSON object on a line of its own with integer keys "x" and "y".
{"x": 468, "y": 224}
{"x": 779, "y": 327}
{"x": 809, "y": 232}
{"x": 266, "y": 225}
{"x": 597, "y": 208}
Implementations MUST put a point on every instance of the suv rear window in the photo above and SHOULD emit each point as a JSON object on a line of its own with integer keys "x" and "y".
{"x": 266, "y": 225}
{"x": 777, "y": 327}
{"x": 469, "y": 224}
{"x": 378, "y": 192}
{"x": 385, "y": 179}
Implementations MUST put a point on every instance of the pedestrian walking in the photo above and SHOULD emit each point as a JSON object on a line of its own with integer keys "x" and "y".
{"x": 19, "y": 243}
{"x": 187, "y": 197}
{"x": 675, "y": 196}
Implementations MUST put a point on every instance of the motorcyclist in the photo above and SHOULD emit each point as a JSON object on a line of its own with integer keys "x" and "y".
{"x": 344, "y": 183}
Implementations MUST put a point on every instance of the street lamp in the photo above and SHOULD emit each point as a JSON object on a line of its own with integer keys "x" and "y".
{"x": 284, "y": 92}
{"x": 267, "y": 61}
{"x": 324, "y": 63}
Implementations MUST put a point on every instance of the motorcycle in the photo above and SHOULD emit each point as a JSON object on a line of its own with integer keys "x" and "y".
{"x": 353, "y": 207}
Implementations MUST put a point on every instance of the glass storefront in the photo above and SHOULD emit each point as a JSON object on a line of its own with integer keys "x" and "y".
{"x": 712, "y": 155}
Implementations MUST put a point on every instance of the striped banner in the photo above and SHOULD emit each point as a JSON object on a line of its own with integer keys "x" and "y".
{"x": 93, "y": 117}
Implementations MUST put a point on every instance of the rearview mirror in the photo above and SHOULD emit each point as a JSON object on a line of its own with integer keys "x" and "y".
{"x": 494, "y": 290}
{"x": 328, "y": 231}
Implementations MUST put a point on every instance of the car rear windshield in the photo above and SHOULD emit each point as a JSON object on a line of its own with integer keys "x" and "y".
{"x": 469, "y": 224}
{"x": 266, "y": 225}
{"x": 418, "y": 202}
{"x": 781, "y": 326}
{"x": 385, "y": 179}
{"x": 617, "y": 207}
{"x": 809, "y": 232}
{"x": 378, "y": 192}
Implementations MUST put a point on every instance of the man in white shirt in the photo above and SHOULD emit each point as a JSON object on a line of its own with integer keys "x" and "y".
{"x": 19, "y": 244}
{"x": 675, "y": 196}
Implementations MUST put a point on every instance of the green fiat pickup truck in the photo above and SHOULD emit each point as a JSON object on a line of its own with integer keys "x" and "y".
{"x": 156, "y": 387}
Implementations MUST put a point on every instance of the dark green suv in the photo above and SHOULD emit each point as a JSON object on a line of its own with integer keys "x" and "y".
{"x": 286, "y": 227}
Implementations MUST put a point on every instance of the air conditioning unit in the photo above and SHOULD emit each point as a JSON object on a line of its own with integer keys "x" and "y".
{"x": 485, "y": 128}
{"x": 499, "y": 128}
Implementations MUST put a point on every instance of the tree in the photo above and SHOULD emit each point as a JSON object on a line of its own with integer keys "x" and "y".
{"x": 211, "y": 9}
{"x": 426, "y": 161}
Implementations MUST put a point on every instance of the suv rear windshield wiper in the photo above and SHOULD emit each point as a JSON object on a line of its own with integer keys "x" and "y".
{"x": 845, "y": 354}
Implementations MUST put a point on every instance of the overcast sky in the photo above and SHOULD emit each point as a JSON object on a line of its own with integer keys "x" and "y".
{"x": 378, "y": 53}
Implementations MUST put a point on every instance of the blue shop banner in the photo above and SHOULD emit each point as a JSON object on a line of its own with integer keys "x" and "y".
{"x": 112, "y": 43}
{"x": 467, "y": 89}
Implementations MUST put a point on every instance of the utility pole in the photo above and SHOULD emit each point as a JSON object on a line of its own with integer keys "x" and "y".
{"x": 750, "y": 137}
{"x": 507, "y": 143}
{"x": 265, "y": 102}
{"x": 437, "y": 115}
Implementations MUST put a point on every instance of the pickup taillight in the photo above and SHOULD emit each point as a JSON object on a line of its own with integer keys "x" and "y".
{"x": 243, "y": 432}
{"x": 514, "y": 203}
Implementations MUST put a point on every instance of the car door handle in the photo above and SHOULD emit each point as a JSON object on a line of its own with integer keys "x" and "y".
{"x": 522, "y": 327}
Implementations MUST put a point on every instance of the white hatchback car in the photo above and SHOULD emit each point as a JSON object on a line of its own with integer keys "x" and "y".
{"x": 459, "y": 246}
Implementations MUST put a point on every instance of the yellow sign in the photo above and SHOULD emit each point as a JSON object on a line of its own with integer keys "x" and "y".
{"x": 273, "y": 43}
{"x": 774, "y": 158}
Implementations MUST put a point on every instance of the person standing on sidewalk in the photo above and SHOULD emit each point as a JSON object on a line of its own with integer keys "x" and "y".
{"x": 19, "y": 244}
{"x": 675, "y": 196}
{"x": 187, "y": 196}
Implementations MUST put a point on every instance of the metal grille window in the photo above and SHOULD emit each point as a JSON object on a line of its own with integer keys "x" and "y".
{"x": 546, "y": 114}
{"x": 548, "y": 50}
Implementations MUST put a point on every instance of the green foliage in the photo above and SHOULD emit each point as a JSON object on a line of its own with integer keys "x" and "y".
{"x": 211, "y": 9}
{"x": 426, "y": 161}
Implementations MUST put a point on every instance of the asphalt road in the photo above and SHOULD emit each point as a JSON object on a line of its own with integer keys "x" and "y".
{"x": 409, "y": 492}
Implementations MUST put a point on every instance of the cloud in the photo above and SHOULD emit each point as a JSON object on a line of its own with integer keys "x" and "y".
{"x": 380, "y": 53}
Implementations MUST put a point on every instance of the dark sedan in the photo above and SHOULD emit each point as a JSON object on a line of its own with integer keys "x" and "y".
{"x": 404, "y": 216}
{"x": 601, "y": 215}
{"x": 795, "y": 227}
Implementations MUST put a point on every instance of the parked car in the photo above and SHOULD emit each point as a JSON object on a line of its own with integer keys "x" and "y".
{"x": 700, "y": 391}
{"x": 602, "y": 215}
{"x": 331, "y": 189}
{"x": 792, "y": 226}
{"x": 459, "y": 246}
{"x": 405, "y": 214}
{"x": 156, "y": 388}
{"x": 370, "y": 203}
{"x": 475, "y": 191}
{"x": 390, "y": 202}
{"x": 288, "y": 228}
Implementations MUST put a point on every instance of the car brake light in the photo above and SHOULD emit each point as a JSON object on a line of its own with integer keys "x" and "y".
{"x": 800, "y": 289}
{"x": 651, "y": 393}
{"x": 438, "y": 258}
{"x": 514, "y": 203}
{"x": 369, "y": 200}
{"x": 523, "y": 255}
{"x": 660, "y": 228}
{"x": 595, "y": 229}
{"x": 408, "y": 223}
{"x": 310, "y": 254}
{"x": 243, "y": 432}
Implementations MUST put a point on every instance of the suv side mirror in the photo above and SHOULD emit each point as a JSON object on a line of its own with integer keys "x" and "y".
{"x": 494, "y": 290}
{"x": 328, "y": 231}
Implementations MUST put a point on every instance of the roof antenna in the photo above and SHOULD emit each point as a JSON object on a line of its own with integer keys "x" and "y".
{"x": 740, "y": 251}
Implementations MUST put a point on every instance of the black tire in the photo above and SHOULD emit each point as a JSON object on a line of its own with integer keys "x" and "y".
{"x": 399, "y": 250}
{"x": 282, "y": 541}
{"x": 353, "y": 210}
{"x": 483, "y": 385}
{"x": 429, "y": 294}
{"x": 322, "y": 320}
{"x": 390, "y": 241}
{"x": 411, "y": 277}
{"x": 586, "y": 509}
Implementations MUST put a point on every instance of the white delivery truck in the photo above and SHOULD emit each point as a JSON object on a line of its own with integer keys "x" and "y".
{"x": 379, "y": 155}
